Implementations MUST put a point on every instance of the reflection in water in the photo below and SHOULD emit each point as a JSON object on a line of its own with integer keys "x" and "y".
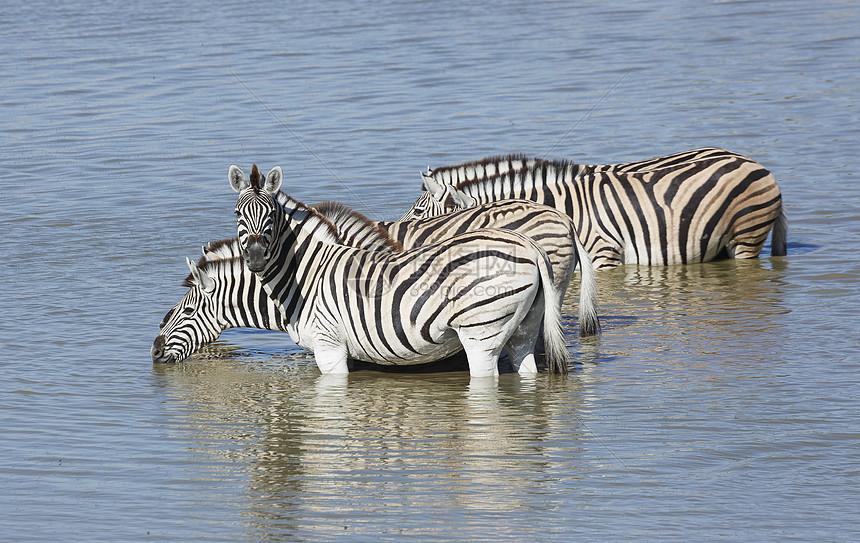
{"x": 438, "y": 449}
{"x": 698, "y": 309}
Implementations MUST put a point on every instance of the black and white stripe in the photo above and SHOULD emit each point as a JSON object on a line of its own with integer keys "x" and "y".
{"x": 238, "y": 299}
{"x": 687, "y": 207}
{"x": 480, "y": 291}
{"x": 222, "y": 293}
{"x": 551, "y": 229}
{"x": 235, "y": 297}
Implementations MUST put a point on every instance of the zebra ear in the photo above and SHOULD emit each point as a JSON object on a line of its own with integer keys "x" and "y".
{"x": 208, "y": 255}
{"x": 461, "y": 199}
{"x": 201, "y": 278}
{"x": 436, "y": 189}
{"x": 425, "y": 176}
{"x": 273, "y": 180}
{"x": 236, "y": 177}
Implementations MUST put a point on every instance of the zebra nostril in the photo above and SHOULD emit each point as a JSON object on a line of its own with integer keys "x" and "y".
{"x": 157, "y": 351}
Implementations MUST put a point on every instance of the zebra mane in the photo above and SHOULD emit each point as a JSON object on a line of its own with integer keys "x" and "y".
{"x": 223, "y": 249}
{"x": 343, "y": 221}
{"x": 470, "y": 174}
{"x": 322, "y": 228}
{"x": 254, "y": 180}
{"x": 355, "y": 229}
{"x": 218, "y": 254}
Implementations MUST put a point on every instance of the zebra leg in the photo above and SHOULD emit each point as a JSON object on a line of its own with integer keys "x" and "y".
{"x": 749, "y": 233}
{"x": 331, "y": 359}
{"x": 606, "y": 256}
{"x": 745, "y": 246}
{"x": 521, "y": 345}
{"x": 522, "y": 353}
{"x": 482, "y": 355}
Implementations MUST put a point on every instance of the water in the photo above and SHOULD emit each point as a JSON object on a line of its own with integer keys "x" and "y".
{"x": 720, "y": 402}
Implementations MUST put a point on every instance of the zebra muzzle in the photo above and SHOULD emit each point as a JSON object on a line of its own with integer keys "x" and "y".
{"x": 157, "y": 351}
{"x": 256, "y": 253}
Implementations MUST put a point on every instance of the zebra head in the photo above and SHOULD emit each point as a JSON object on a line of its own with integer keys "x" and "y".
{"x": 193, "y": 322}
{"x": 437, "y": 199}
{"x": 255, "y": 211}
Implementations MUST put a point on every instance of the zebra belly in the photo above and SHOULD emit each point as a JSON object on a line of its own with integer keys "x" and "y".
{"x": 361, "y": 344}
{"x": 427, "y": 352}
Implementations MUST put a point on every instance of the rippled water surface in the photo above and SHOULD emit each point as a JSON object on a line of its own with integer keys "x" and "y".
{"x": 720, "y": 402}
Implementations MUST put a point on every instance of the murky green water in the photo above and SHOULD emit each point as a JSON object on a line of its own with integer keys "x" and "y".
{"x": 720, "y": 402}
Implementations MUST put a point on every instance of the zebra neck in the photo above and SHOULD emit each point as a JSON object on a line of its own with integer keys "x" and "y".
{"x": 302, "y": 241}
{"x": 242, "y": 300}
{"x": 303, "y": 219}
{"x": 252, "y": 306}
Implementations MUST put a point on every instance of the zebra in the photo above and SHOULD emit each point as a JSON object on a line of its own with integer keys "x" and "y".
{"x": 453, "y": 176}
{"x": 480, "y": 291}
{"x": 434, "y": 204}
{"x": 693, "y": 206}
{"x": 222, "y": 293}
{"x": 551, "y": 229}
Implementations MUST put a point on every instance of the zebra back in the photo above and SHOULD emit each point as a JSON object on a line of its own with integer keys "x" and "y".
{"x": 665, "y": 161}
{"x": 519, "y": 169}
{"x": 224, "y": 249}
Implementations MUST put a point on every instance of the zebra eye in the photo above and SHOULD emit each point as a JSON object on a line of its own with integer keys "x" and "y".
{"x": 238, "y": 214}
{"x": 188, "y": 311}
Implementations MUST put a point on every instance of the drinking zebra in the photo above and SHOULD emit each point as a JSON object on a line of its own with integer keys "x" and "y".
{"x": 552, "y": 230}
{"x": 481, "y": 291}
{"x": 222, "y": 293}
{"x": 693, "y": 206}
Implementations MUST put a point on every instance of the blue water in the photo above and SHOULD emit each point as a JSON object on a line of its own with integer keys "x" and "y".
{"x": 720, "y": 402}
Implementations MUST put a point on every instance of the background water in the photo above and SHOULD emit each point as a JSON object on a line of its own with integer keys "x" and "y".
{"x": 721, "y": 401}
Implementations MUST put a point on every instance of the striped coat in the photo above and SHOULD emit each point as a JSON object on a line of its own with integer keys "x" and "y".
{"x": 548, "y": 227}
{"x": 693, "y": 206}
{"x": 239, "y": 300}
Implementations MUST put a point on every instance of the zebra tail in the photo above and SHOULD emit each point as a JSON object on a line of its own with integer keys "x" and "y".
{"x": 555, "y": 347}
{"x": 778, "y": 237}
{"x": 589, "y": 322}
